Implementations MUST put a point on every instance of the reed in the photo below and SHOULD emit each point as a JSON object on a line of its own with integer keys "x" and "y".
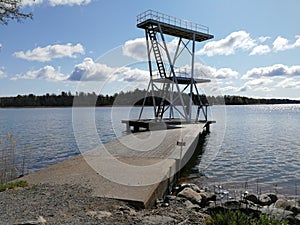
{"x": 13, "y": 159}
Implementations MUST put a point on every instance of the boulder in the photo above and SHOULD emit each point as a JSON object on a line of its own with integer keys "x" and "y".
{"x": 99, "y": 214}
{"x": 158, "y": 219}
{"x": 277, "y": 214}
{"x": 265, "y": 200}
{"x": 190, "y": 205}
{"x": 287, "y": 204}
{"x": 297, "y": 218}
{"x": 191, "y": 195}
{"x": 252, "y": 198}
{"x": 127, "y": 210}
{"x": 232, "y": 204}
{"x": 103, "y": 215}
{"x": 273, "y": 197}
{"x": 187, "y": 185}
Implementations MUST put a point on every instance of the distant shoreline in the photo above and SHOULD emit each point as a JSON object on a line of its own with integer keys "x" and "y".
{"x": 130, "y": 98}
{"x": 110, "y": 106}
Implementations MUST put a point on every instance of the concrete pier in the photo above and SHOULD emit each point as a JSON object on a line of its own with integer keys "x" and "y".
{"x": 139, "y": 167}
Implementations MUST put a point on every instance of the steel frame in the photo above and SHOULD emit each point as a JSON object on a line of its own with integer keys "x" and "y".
{"x": 169, "y": 81}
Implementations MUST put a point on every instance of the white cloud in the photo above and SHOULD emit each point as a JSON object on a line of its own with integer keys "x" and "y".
{"x": 2, "y": 73}
{"x": 31, "y": 2}
{"x": 224, "y": 73}
{"x": 289, "y": 83}
{"x": 282, "y": 44}
{"x": 44, "y": 54}
{"x": 132, "y": 75}
{"x": 55, "y": 2}
{"x": 255, "y": 85}
{"x": 69, "y": 2}
{"x": 46, "y": 73}
{"x": 264, "y": 89}
{"x": 260, "y": 50}
{"x": 258, "y": 82}
{"x": 227, "y": 90}
{"x": 272, "y": 71}
{"x": 136, "y": 49}
{"x": 205, "y": 71}
{"x": 227, "y": 46}
{"x": 89, "y": 70}
{"x": 262, "y": 39}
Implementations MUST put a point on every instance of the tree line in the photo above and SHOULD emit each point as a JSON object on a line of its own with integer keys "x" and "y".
{"x": 136, "y": 97}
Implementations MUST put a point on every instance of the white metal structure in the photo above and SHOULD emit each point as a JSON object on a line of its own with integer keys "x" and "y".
{"x": 168, "y": 86}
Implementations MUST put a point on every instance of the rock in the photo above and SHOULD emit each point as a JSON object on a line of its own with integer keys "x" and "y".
{"x": 265, "y": 200}
{"x": 297, "y": 218}
{"x": 232, "y": 204}
{"x": 207, "y": 197}
{"x": 40, "y": 220}
{"x": 195, "y": 187}
{"x": 91, "y": 213}
{"x": 171, "y": 197}
{"x": 273, "y": 197}
{"x": 187, "y": 185}
{"x": 190, "y": 205}
{"x": 127, "y": 210}
{"x": 191, "y": 195}
{"x": 99, "y": 214}
{"x": 277, "y": 214}
{"x": 157, "y": 220}
{"x": 286, "y": 204}
{"x": 29, "y": 222}
{"x": 103, "y": 215}
{"x": 252, "y": 198}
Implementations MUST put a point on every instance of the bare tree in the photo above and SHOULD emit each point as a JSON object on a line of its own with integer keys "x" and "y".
{"x": 11, "y": 10}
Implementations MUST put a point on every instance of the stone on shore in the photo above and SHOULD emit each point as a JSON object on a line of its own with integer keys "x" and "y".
{"x": 157, "y": 219}
{"x": 190, "y": 195}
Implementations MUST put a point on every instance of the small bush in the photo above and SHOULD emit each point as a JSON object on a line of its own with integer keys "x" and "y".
{"x": 12, "y": 185}
{"x": 237, "y": 217}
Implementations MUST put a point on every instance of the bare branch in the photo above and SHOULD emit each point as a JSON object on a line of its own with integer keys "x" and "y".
{"x": 11, "y": 10}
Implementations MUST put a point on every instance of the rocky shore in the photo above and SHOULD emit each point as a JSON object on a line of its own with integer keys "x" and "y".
{"x": 188, "y": 204}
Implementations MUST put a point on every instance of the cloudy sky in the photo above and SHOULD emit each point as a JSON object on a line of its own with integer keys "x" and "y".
{"x": 96, "y": 45}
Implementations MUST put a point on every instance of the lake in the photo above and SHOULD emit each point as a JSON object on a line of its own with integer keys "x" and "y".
{"x": 257, "y": 146}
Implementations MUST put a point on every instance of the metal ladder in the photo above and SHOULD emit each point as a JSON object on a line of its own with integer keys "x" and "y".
{"x": 161, "y": 107}
{"x": 159, "y": 62}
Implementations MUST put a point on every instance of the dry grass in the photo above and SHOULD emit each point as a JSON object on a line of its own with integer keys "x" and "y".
{"x": 13, "y": 160}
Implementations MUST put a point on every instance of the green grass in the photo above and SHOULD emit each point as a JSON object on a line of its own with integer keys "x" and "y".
{"x": 237, "y": 217}
{"x": 13, "y": 185}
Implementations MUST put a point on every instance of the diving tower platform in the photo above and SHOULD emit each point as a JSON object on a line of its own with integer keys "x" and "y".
{"x": 174, "y": 26}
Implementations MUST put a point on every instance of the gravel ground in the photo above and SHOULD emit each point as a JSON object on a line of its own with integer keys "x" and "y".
{"x": 70, "y": 204}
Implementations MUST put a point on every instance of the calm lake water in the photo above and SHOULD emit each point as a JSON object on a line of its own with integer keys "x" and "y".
{"x": 257, "y": 146}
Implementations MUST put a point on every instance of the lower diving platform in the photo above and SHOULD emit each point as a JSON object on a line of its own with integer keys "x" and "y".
{"x": 160, "y": 124}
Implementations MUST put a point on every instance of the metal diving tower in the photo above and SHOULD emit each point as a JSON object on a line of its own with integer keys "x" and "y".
{"x": 171, "y": 89}
{"x": 156, "y": 26}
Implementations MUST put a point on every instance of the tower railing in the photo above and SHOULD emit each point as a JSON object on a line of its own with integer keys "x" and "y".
{"x": 157, "y": 16}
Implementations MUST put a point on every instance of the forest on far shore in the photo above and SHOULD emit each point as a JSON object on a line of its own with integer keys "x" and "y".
{"x": 136, "y": 97}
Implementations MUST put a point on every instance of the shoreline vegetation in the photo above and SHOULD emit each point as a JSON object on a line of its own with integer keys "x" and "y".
{"x": 130, "y": 98}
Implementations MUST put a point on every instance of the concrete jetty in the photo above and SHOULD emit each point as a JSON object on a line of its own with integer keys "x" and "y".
{"x": 139, "y": 167}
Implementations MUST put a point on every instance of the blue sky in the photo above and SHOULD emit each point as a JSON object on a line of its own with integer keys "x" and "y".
{"x": 255, "y": 51}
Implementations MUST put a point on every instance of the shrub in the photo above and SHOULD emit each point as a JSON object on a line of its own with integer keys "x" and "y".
{"x": 238, "y": 217}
